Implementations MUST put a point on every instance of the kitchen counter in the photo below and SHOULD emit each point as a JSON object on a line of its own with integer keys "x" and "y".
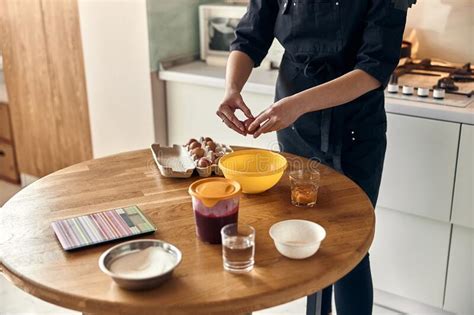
{"x": 263, "y": 81}
{"x": 3, "y": 89}
{"x": 198, "y": 72}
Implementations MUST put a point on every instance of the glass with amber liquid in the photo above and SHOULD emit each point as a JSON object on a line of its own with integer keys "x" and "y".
{"x": 304, "y": 187}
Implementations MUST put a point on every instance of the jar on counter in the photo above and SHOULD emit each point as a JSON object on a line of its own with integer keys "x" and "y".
{"x": 215, "y": 204}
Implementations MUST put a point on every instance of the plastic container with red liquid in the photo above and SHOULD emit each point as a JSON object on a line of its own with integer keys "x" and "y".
{"x": 215, "y": 204}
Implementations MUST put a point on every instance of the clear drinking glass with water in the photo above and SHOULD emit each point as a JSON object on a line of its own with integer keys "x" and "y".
{"x": 238, "y": 247}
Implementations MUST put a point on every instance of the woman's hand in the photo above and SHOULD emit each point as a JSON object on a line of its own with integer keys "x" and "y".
{"x": 233, "y": 101}
{"x": 276, "y": 117}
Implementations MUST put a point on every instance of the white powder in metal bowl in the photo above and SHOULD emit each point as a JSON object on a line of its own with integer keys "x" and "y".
{"x": 150, "y": 262}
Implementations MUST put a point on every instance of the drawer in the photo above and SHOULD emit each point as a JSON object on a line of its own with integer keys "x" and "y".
{"x": 460, "y": 281}
{"x": 5, "y": 131}
{"x": 420, "y": 164}
{"x": 7, "y": 163}
{"x": 463, "y": 189}
{"x": 409, "y": 256}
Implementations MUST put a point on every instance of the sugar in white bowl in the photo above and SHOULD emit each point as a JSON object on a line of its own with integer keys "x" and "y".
{"x": 297, "y": 239}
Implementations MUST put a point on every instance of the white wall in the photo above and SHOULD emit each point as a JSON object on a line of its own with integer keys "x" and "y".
{"x": 116, "y": 60}
{"x": 445, "y": 29}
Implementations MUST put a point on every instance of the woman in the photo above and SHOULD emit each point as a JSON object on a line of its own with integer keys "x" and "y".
{"x": 329, "y": 104}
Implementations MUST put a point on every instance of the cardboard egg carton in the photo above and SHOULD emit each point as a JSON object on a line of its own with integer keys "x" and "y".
{"x": 180, "y": 161}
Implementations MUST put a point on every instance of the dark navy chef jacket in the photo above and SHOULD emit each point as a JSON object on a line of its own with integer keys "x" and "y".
{"x": 324, "y": 39}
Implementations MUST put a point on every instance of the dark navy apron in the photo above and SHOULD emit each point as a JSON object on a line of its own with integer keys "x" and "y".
{"x": 351, "y": 137}
{"x": 355, "y": 150}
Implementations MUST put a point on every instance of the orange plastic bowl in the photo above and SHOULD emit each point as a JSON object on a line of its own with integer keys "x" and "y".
{"x": 255, "y": 170}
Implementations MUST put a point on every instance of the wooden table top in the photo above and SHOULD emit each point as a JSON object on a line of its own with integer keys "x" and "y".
{"x": 32, "y": 258}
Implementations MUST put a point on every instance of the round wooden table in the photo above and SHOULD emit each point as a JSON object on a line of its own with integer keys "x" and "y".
{"x": 33, "y": 260}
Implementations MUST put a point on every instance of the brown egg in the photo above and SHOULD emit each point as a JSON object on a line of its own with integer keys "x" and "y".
{"x": 211, "y": 145}
{"x": 199, "y": 152}
{"x": 191, "y": 141}
{"x": 208, "y": 139}
{"x": 213, "y": 157}
{"x": 247, "y": 123}
{"x": 194, "y": 145}
{"x": 203, "y": 162}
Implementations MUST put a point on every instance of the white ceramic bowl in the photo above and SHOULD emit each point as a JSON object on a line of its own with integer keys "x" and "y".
{"x": 297, "y": 239}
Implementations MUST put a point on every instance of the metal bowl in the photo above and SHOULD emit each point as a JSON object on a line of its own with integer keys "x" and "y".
{"x": 134, "y": 283}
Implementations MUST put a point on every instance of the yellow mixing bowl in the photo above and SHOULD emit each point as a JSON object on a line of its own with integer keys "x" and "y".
{"x": 255, "y": 170}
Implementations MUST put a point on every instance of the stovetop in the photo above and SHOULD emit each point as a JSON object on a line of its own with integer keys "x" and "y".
{"x": 425, "y": 76}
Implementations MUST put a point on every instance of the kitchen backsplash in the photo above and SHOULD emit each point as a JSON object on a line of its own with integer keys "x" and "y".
{"x": 173, "y": 28}
{"x": 444, "y": 28}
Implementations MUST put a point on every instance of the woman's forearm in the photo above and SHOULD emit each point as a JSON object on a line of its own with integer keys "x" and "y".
{"x": 239, "y": 67}
{"x": 336, "y": 92}
{"x": 333, "y": 93}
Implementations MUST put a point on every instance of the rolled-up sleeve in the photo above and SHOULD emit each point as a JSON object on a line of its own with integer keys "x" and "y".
{"x": 254, "y": 33}
{"x": 379, "y": 53}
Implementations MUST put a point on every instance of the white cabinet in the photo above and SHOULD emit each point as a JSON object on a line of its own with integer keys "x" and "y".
{"x": 191, "y": 112}
{"x": 419, "y": 166}
{"x": 409, "y": 256}
{"x": 463, "y": 207}
{"x": 460, "y": 281}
